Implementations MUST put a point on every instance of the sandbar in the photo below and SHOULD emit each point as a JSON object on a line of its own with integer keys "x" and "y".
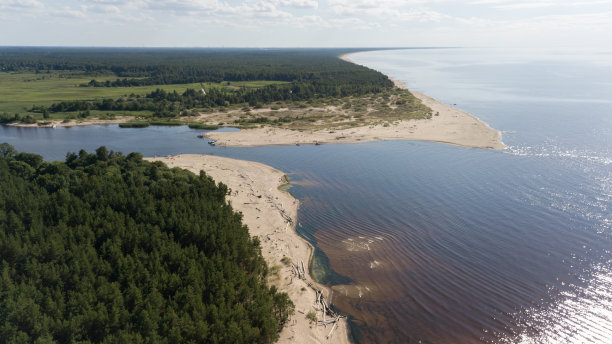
{"x": 266, "y": 210}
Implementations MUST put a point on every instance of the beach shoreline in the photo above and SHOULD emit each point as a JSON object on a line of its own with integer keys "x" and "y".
{"x": 271, "y": 214}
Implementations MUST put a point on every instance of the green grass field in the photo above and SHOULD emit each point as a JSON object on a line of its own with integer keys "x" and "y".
{"x": 19, "y": 91}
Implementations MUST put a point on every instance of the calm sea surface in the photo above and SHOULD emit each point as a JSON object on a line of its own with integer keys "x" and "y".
{"x": 441, "y": 244}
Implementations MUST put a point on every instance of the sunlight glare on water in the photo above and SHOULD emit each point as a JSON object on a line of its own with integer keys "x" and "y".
{"x": 582, "y": 316}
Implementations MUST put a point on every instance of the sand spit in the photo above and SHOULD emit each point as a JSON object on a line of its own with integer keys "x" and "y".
{"x": 266, "y": 209}
{"x": 447, "y": 125}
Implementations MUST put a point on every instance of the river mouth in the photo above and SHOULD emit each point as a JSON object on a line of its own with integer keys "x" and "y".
{"x": 477, "y": 245}
{"x": 423, "y": 241}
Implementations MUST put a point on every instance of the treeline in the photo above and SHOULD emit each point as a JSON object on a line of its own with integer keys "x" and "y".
{"x": 15, "y": 117}
{"x": 171, "y": 104}
{"x": 110, "y": 248}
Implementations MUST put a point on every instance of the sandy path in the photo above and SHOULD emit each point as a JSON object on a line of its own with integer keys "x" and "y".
{"x": 265, "y": 209}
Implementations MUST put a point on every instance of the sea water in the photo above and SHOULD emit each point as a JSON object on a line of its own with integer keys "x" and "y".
{"x": 425, "y": 242}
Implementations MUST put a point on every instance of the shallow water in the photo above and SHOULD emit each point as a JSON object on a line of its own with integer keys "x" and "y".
{"x": 434, "y": 243}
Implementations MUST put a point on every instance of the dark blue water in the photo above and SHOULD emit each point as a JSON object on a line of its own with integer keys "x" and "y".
{"x": 442, "y": 244}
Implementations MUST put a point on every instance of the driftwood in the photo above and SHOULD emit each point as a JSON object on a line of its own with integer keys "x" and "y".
{"x": 323, "y": 304}
{"x": 320, "y": 304}
{"x": 333, "y": 328}
{"x": 280, "y": 209}
{"x": 327, "y": 311}
{"x": 300, "y": 273}
{"x": 329, "y": 321}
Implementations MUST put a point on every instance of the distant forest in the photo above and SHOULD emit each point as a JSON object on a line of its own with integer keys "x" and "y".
{"x": 111, "y": 248}
{"x": 149, "y": 66}
{"x": 309, "y": 73}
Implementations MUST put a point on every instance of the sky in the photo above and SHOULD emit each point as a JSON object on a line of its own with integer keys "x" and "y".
{"x": 307, "y": 23}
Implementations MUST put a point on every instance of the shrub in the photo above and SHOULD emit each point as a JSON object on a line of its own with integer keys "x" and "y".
{"x": 311, "y": 316}
{"x": 134, "y": 125}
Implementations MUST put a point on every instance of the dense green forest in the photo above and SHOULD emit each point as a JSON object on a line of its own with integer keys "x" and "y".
{"x": 150, "y": 66}
{"x": 307, "y": 73}
{"x": 110, "y": 248}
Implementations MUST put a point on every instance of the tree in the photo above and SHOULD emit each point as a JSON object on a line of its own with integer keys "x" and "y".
{"x": 7, "y": 151}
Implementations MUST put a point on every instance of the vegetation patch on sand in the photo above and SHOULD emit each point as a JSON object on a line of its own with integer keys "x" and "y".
{"x": 203, "y": 126}
{"x": 383, "y": 108}
{"x": 134, "y": 125}
{"x": 167, "y": 123}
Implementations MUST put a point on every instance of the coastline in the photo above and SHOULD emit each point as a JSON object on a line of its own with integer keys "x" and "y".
{"x": 447, "y": 125}
{"x": 255, "y": 192}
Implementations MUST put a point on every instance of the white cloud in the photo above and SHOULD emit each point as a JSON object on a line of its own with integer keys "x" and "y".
{"x": 178, "y": 6}
{"x": 309, "y": 21}
{"x": 103, "y": 9}
{"x": 19, "y": 9}
{"x": 388, "y": 3}
{"x": 67, "y": 12}
{"x": 366, "y": 4}
{"x": 114, "y": 2}
{"x": 386, "y": 10}
{"x": 534, "y": 4}
{"x": 555, "y": 23}
{"x": 297, "y": 3}
{"x": 331, "y": 22}
{"x": 20, "y": 4}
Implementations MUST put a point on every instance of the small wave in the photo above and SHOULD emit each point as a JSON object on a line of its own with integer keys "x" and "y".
{"x": 554, "y": 151}
{"x": 583, "y": 316}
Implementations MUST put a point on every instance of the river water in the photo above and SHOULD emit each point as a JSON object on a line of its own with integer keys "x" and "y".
{"x": 425, "y": 242}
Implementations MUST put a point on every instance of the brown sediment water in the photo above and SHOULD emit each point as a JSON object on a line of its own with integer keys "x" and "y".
{"x": 416, "y": 257}
{"x": 388, "y": 298}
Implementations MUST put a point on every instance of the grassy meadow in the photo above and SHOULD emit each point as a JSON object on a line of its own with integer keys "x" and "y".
{"x": 20, "y": 91}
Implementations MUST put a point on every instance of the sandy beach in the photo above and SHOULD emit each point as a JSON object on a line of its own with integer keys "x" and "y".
{"x": 447, "y": 125}
{"x": 270, "y": 213}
